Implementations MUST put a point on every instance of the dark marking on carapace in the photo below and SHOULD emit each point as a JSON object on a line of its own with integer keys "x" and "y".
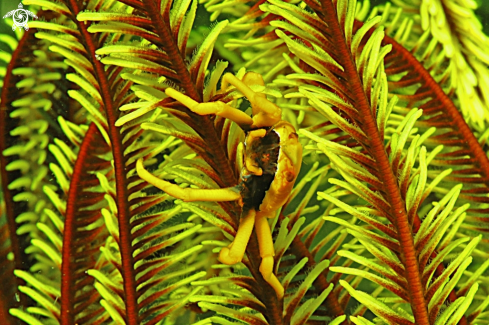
{"x": 265, "y": 155}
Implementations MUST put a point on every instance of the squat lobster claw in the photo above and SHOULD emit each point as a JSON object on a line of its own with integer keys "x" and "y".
{"x": 271, "y": 162}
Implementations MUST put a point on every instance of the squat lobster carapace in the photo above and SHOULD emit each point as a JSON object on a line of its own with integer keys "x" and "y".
{"x": 271, "y": 162}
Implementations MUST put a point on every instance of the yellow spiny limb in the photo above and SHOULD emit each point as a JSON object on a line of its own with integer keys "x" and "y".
{"x": 235, "y": 251}
{"x": 250, "y": 78}
{"x": 267, "y": 252}
{"x": 265, "y": 113}
{"x": 217, "y": 108}
{"x": 188, "y": 194}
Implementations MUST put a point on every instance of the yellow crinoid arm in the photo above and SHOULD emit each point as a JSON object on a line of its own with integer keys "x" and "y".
{"x": 188, "y": 194}
{"x": 235, "y": 251}
{"x": 217, "y": 108}
{"x": 267, "y": 252}
{"x": 265, "y": 113}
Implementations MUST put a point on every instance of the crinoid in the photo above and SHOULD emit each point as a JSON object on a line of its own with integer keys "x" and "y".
{"x": 296, "y": 162}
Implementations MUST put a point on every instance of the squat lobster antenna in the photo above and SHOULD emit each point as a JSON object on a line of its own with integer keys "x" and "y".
{"x": 188, "y": 194}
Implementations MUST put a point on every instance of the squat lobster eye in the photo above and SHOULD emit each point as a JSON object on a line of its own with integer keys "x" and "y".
{"x": 272, "y": 160}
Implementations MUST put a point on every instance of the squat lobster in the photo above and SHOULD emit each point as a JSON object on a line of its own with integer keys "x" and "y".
{"x": 271, "y": 162}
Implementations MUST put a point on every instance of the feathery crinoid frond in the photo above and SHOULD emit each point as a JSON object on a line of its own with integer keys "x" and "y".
{"x": 450, "y": 36}
{"x": 120, "y": 217}
{"x": 11, "y": 252}
{"x": 415, "y": 87}
{"x": 33, "y": 98}
{"x": 74, "y": 234}
{"x": 388, "y": 163}
{"x": 203, "y": 167}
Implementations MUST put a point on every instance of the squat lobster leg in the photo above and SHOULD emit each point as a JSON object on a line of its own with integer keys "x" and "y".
{"x": 235, "y": 251}
{"x": 218, "y": 108}
{"x": 267, "y": 252}
{"x": 188, "y": 194}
